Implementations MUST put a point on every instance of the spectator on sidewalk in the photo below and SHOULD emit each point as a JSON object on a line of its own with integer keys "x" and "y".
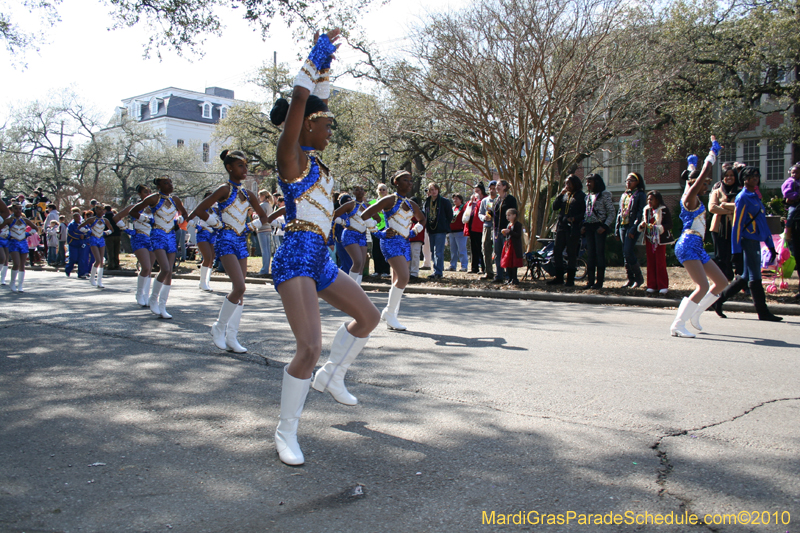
{"x": 656, "y": 224}
{"x": 629, "y": 216}
{"x": 458, "y": 240}
{"x": 439, "y": 213}
{"x": 502, "y": 204}
{"x": 416, "y": 243}
{"x": 597, "y": 221}
{"x": 512, "y": 258}
{"x": 473, "y": 227}
{"x": 113, "y": 240}
{"x": 721, "y": 205}
{"x": 570, "y": 206}
{"x": 61, "y": 256}
{"x": 485, "y": 214}
{"x": 265, "y": 233}
{"x": 52, "y": 243}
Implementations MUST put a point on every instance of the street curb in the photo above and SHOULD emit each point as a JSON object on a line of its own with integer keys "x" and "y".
{"x": 578, "y": 298}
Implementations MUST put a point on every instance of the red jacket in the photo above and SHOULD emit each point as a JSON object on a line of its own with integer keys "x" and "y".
{"x": 456, "y": 225}
{"x": 475, "y": 223}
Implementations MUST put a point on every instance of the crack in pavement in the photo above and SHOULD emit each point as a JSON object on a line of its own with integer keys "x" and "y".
{"x": 666, "y": 465}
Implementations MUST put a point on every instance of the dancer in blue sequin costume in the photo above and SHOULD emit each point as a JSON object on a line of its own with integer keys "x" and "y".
{"x": 167, "y": 211}
{"x": 99, "y": 227}
{"x": 689, "y": 247}
{"x": 139, "y": 232}
{"x": 229, "y": 220}
{"x": 302, "y": 268}
{"x": 206, "y": 236}
{"x": 17, "y": 226}
{"x": 398, "y": 210}
{"x": 354, "y": 236}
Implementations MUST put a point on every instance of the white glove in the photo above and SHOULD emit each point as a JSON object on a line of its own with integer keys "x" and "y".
{"x": 108, "y": 232}
{"x": 339, "y": 221}
{"x": 255, "y": 224}
{"x": 142, "y": 217}
{"x": 2, "y": 220}
{"x": 371, "y": 223}
{"x": 712, "y": 157}
{"x": 120, "y": 224}
{"x": 418, "y": 228}
{"x": 179, "y": 219}
{"x": 213, "y": 221}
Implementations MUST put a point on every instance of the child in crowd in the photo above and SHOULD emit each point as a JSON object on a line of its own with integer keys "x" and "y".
{"x": 33, "y": 244}
{"x": 656, "y": 224}
{"x": 52, "y": 243}
{"x": 512, "y": 257}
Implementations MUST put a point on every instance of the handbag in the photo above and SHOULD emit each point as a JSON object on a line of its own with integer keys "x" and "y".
{"x": 467, "y": 215}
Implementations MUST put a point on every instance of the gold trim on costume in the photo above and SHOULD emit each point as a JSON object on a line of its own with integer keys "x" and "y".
{"x": 302, "y": 225}
{"x": 301, "y": 176}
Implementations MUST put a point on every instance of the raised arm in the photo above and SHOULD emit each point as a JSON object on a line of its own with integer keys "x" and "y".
{"x": 147, "y": 202}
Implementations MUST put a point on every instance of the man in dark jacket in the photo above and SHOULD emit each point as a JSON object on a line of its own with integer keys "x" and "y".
{"x": 439, "y": 211}
{"x": 112, "y": 241}
{"x": 500, "y": 207}
{"x": 570, "y": 206}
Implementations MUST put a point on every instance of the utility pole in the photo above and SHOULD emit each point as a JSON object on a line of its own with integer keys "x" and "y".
{"x": 274, "y": 76}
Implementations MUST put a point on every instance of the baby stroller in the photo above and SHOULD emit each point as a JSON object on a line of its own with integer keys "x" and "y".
{"x": 540, "y": 262}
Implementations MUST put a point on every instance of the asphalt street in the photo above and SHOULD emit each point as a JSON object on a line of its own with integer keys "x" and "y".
{"x": 484, "y": 411}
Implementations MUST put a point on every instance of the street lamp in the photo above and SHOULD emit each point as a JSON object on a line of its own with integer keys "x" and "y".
{"x": 384, "y": 158}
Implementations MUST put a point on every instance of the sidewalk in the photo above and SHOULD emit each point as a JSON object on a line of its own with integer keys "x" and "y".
{"x": 571, "y": 296}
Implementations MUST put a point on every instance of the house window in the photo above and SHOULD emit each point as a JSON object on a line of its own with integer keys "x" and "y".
{"x": 635, "y": 157}
{"x": 206, "y": 110}
{"x": 596, "y": 163}
{"x": 206, "y": 150}
{"x": 153, "y": 107}
{"x": 223, "y": 112}
{"x": 180, "y": 143}
{"x": 727, "y": 155}
{"x": 615, "y": 172}
{"x": 775, "y": 162}
{"x": 752, "y": 155}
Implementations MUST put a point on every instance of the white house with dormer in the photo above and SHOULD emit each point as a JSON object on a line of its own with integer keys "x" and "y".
{"x": 183, "y": 117}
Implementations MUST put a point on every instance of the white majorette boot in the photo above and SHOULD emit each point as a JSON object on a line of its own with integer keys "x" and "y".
{"x": 389, "y": 313}
{"x": 219, "y": 327}
{"x": 145, "y": 291}
{"x": 152, "y": 302}
{"x": 707, "y": 301}
{"x": 233, "y": 330}
{"x": 293, "y": 397}
{"x": 205, "y": 274}
{"x": 330, "y": 377}
{"x": 163, "y": 294}
{"x": 100, "y": 278}
{"x": 3, "y": 271}
{"x": 139, "y": 287}
{"x": 14, "y": 280}
{"x": 20, "y": 279}
{"x": 92, "y": 276}
{"x": 686, "y": 310}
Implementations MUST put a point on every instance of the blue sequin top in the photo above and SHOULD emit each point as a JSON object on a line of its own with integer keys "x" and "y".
{"x": 308, "y": 199}
{"x": 694, "y": 220}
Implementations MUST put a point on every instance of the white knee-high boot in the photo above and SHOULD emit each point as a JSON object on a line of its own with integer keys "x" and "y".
{"x": 20, "y": 279}
{"x": 221, "y": 325}
{"x": 344, "y": 349}
{"x": 293, "y": 398}
{"x": 707, "y": 301}
{"x": 163, "y": 294}
{"x": 233, "y": 330}
{"x": 3, "y": 271}
{"x": 685, "y": 311}
{"x": 389, "y": 313}
{"x": 14, "y": 279}
{"x": 143, "y": 299}
{"x": 92, "y": 276}
{"x": 360, "y": 277}
{"x": 139, "y": 288}
{"x": 100, "y": 278}
{"x": 356, "y": 276}
{"x": 204, "y": 275}
{"x": 152, "y": 302}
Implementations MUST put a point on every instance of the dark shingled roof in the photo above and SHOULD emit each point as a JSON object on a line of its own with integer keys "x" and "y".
{"x": 182, "y": 108}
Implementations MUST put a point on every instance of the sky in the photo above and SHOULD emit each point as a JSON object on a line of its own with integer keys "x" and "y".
{"x": 104, "y": 66}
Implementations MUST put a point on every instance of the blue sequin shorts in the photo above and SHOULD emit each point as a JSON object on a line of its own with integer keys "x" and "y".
{"x": 304, "y": 253}
{"x": 203, "y": 235}
{"x": 3, "y": 243}
{"x": 139, "y": 241}
{"x": 161, "y": 240}
{"x": 690, "y": 247}
{"x": 18, "y": 246}
{"x": 100, "y": 242}
{"x": 228, "y": 243}
{"x": 350, "y": 236}
{"x": 395, "y": 246}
